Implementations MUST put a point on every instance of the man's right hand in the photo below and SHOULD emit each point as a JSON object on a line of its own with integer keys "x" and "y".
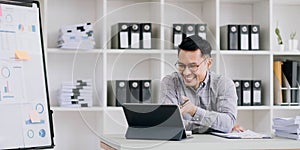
{"x": 187, "y": 106}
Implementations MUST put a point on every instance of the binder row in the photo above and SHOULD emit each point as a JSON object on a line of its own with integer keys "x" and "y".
{"x": 248, "y": 92}
{"x": 286, "y": 82}
{"x": 180, "y": 31}
{"x": 132, "y": 36}
{"x": 240, "y": 37}
{"x": 128, "y": 91}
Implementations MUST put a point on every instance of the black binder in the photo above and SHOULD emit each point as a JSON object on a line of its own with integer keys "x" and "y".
{"x": 238, "y": 86}
{"x": 254, "y": 37}
{"x": 146, "y": 91}
{"x": 177, "y": 34}
{"x": 121, "y": 92}
{"x": 188, "y": 30}
{"x": 134, "y": 92}
{"x": 154, "y": 122}
{"x": 201, "y": 30}
{"x": 134, "y": 36}
{"x": 146, "y": 35}
{"x": 290, "y": 70}
{"x": 246, "y": 92}
{"x": 256, "y": 92}
{"x": 243, "y": 37}
{"x": 229, "y": 37}
{"x": 123, "y": 35}
{"x": 120, "y": 36}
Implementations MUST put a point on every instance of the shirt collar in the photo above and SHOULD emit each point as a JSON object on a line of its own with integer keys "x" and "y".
{"x": 203, "y": 83}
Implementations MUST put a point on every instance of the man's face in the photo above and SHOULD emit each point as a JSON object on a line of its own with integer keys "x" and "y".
{"x": 195, "y": 69}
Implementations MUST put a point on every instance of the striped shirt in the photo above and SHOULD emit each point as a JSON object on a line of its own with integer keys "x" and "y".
{"x": 216, "y": 101}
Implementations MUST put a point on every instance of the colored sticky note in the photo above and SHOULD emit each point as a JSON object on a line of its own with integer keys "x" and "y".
{"x": 0, "y": 10}
{"x": 23, "y": 55}
{"x": 34, "y": 116}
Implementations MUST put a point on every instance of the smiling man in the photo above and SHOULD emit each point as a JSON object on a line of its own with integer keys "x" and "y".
{"x": 208, "y": 102}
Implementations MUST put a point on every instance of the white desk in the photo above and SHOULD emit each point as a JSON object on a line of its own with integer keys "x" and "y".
{"x": 198, "y": 141}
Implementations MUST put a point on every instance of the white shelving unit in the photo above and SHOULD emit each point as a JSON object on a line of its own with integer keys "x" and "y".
{"x": 103, "y": 63}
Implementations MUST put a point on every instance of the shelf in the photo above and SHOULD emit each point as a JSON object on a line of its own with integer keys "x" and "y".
{"x": 133, "y": 51}
{"x": 286, "y": 107}
{"x": 287, "y": 2}
{"x": 254, "y": 107}
{"x": 240, "y": 1}
{"x": 286, "y": 53}
{"x": 67, "y": 109}
{"x": 73, "y": 51}
{"x": 112, "y": 108}
{"x": 247, "y": 52}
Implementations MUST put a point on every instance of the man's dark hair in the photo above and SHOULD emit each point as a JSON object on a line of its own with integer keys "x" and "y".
{"x": 193, "y": 43}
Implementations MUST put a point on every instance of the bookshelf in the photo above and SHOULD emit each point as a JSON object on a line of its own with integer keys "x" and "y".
{"x": 103, "y": 63}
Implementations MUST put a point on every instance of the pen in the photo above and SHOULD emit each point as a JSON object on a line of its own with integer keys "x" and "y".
{"x": 184, "y": 103}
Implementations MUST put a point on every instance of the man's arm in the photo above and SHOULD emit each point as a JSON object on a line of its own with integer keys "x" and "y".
{"x": 167, "y": 91}
{"x": 224, "y": 116}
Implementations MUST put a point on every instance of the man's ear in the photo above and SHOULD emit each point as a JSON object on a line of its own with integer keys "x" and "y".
{"x": 209, "y": 63}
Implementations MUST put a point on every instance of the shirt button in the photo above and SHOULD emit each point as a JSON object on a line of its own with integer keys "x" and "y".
{"x": 197, "y": 119}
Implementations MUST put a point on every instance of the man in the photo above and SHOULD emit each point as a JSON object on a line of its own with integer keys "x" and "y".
{"x": 208, "y": 102}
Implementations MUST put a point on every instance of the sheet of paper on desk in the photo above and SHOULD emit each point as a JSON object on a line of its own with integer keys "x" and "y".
{"x": 248, "y": 134}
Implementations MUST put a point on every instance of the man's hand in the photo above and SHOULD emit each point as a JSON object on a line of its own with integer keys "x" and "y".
{"x": 187, "y": 106}
{"x": 237, "y": 128}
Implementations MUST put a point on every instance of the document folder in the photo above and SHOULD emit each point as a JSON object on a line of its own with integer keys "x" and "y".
{"x": 243, "y": 37}
{"x": 246, "y": 93}
{"x": 146, "y": 91}
{"x": 177, "y": 34}
{"x": 154, "y": 121}
{"x": 188, "y": 30}
{"x": 135, "y": 36}
{"x": 146, "y": 37}
{"x": 254, "y": 37}
{"x": 120, "y": 35}
{"x": 238, "y": 86}
{"x": 229, "y": 37}
{"x": 256, "y": 92}
{"x": 201, "y": 30}
{"x": 134, "y": 92}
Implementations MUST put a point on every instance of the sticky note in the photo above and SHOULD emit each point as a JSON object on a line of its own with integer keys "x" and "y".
{"x": 34, "y": 116}
{"x": 0, "y": 10}
{"x": 22, "y": 55}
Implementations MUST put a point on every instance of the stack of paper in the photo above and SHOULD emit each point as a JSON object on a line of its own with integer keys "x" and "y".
{"x": 76, "y": 94}
{"x": 79, "y": 36}
{"x": 287, "y": 127}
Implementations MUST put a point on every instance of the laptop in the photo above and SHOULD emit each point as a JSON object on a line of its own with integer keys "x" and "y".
{"x": 154, "y": 121}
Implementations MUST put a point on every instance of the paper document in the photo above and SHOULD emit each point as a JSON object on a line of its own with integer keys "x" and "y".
{"x": 248, "y": 134}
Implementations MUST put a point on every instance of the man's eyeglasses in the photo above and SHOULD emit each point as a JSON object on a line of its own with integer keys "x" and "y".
{"x": 192, "y": 67}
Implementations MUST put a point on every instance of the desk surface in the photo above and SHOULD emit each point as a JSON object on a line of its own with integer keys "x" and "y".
{"x": 205, "y": 141}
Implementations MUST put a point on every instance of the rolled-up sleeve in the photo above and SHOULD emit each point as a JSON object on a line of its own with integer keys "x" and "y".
{"x": 224, "y": 116}
{"x": 168, "y": 91}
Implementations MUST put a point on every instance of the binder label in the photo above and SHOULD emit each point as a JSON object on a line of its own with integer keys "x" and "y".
{"x": 247, "y": 97}
{"x": 256, "y": 96}
{"x": 244, "y": 41}
{"x": 135, "y": 38}
{"x": 202, "y": 35}
{"x": 254, "y": 41}
{"x": 177, "y": 39}
{"x": 124, "y": 40}
{"x": 147, "y": 40}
